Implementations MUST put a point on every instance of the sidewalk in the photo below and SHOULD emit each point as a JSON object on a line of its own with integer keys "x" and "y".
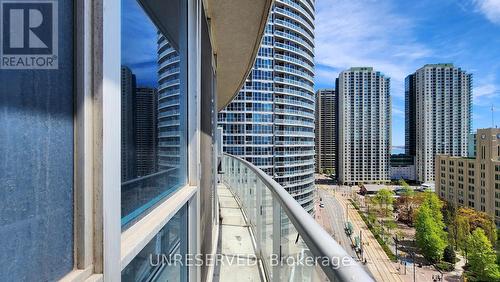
{"x": 379, "y": 264}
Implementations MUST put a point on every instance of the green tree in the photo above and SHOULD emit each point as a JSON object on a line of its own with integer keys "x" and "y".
{"x": 391, "y": 225}
{"x": 430, "y": 236}
{"x": 449, "y": 254}
{"x": 385, "y": 197}
{"x": 407, "y": 204}
{"x": 466, "y": 220}
{"x": 435, "y": 204}
{"x": 449, "y": 213}
{"x": 371, "y": 218}
{"x": 460, "y": 231}
{"x": 482, "y": 257}
{"x": 403, "y": 183}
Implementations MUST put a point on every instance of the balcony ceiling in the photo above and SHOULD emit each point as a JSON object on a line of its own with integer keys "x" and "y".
{"x": 237, "y": 29}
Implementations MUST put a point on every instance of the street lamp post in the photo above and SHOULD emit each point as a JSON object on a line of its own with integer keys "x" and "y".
{"x": 361, "y": 243}
{"x": 414, "y": 266}
{"x": 396, "y": 243}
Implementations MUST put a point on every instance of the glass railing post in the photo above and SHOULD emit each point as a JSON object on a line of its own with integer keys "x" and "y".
{"x": 259, "y": 208}
{"x": 276, "y": 274}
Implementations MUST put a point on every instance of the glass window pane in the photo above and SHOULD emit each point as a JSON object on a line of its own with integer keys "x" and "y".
{"x": 153, "y": 113}
{"x": 164, "y": 257}
{"x": 36, "y": 142}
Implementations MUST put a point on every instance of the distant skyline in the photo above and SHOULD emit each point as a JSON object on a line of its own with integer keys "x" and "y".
{"x": 398, "y": 37}
{"x": 395, "y": 37}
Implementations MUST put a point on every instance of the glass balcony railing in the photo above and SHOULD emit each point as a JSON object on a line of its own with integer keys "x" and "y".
{"x": 296, "y": 50}
{"x": 288, "y": 91}
{"x": 290, "y": 59}
{"x": 290, "y": 243}
{"x": 295, "y": 27}
{"x": 299, "y": 9}
{"x": 294, "y": 102}
{"x": 142, "y": 193}
{"x": 294, "y": 71}
{"x": 294, "y": 133}
{"x": 294, "y": 16}
{"x": 297, "y": 39}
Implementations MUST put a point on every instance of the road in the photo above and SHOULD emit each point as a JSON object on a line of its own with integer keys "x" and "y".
{"x": 335, "y": 218}
{"x": 378, "y": 264}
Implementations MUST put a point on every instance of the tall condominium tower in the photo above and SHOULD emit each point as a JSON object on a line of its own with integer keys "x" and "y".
{"x": 326, "y": 131}
{"x": 410, "y": 116}
{"x": 364, "y": 126}
{"x": 146, "y": 107}
{"x": 128, "y": 156}
{"x": 170, "y": 108}
{"x": 439, "y": 105}
{"x": 271, "y": 122}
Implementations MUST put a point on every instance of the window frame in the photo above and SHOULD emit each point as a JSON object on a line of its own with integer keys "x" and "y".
{"x": 100, "y": 248}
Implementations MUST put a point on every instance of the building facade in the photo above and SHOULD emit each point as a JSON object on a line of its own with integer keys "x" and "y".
{"x": 471, "y": 149}
{"x": 170, "y": 107}
{"x": 326, "y": 131}
{"x": 410, "y": 116}
{"x": 271, "y": 122}
{"x": 364, "y": 126}
{"x": 128, "y": 156}
{"x": 439, "y": 105}
{"x": 473, "y": 182}
{"x": 146, "y": 139}
{"x": 403, "y": 167}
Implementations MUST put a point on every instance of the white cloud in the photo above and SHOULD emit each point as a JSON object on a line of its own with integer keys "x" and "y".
{"x": 367, "y": 33}
{"x": 326, "y": 76}
{"x": 397, "y": 112}
{"x": 490, "y": 9}
{"x": 485, "y": 93}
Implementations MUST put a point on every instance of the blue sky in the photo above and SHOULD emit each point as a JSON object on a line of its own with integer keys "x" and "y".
{"x": 139, "y": 44}
{"x": 397, "y": 37}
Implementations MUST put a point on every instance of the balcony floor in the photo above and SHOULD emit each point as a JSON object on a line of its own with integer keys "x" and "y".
{"x": 235, "y": 244}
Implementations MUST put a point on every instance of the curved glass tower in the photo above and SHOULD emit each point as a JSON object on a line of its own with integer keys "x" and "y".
{"x": 271, "y": 122}
{"x": 170, "y": 108}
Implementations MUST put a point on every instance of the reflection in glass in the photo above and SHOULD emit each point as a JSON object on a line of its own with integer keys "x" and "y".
{"x": 161, "y": 259}
{"x": 153, "y": 156}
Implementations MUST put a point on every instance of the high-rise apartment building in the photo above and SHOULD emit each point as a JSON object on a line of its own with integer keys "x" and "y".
{"x": 473, "y": 182}
{"x": 326, "y": 131}
{"x": 128, "y": 154}
{"x": 410, "y": 116}
{"x": 438, "y": 111}
{"x": 170, "y": 107}
{"x": 146, "y": 143}
{"x": 271, "y": 122}
{"x": 364, "y": 126}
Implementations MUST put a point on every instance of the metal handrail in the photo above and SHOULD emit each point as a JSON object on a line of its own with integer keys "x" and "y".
{"x": 320, "y": 243}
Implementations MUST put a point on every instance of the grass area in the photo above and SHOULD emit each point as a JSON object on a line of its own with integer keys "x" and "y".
{"x": 382, "y": 243}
